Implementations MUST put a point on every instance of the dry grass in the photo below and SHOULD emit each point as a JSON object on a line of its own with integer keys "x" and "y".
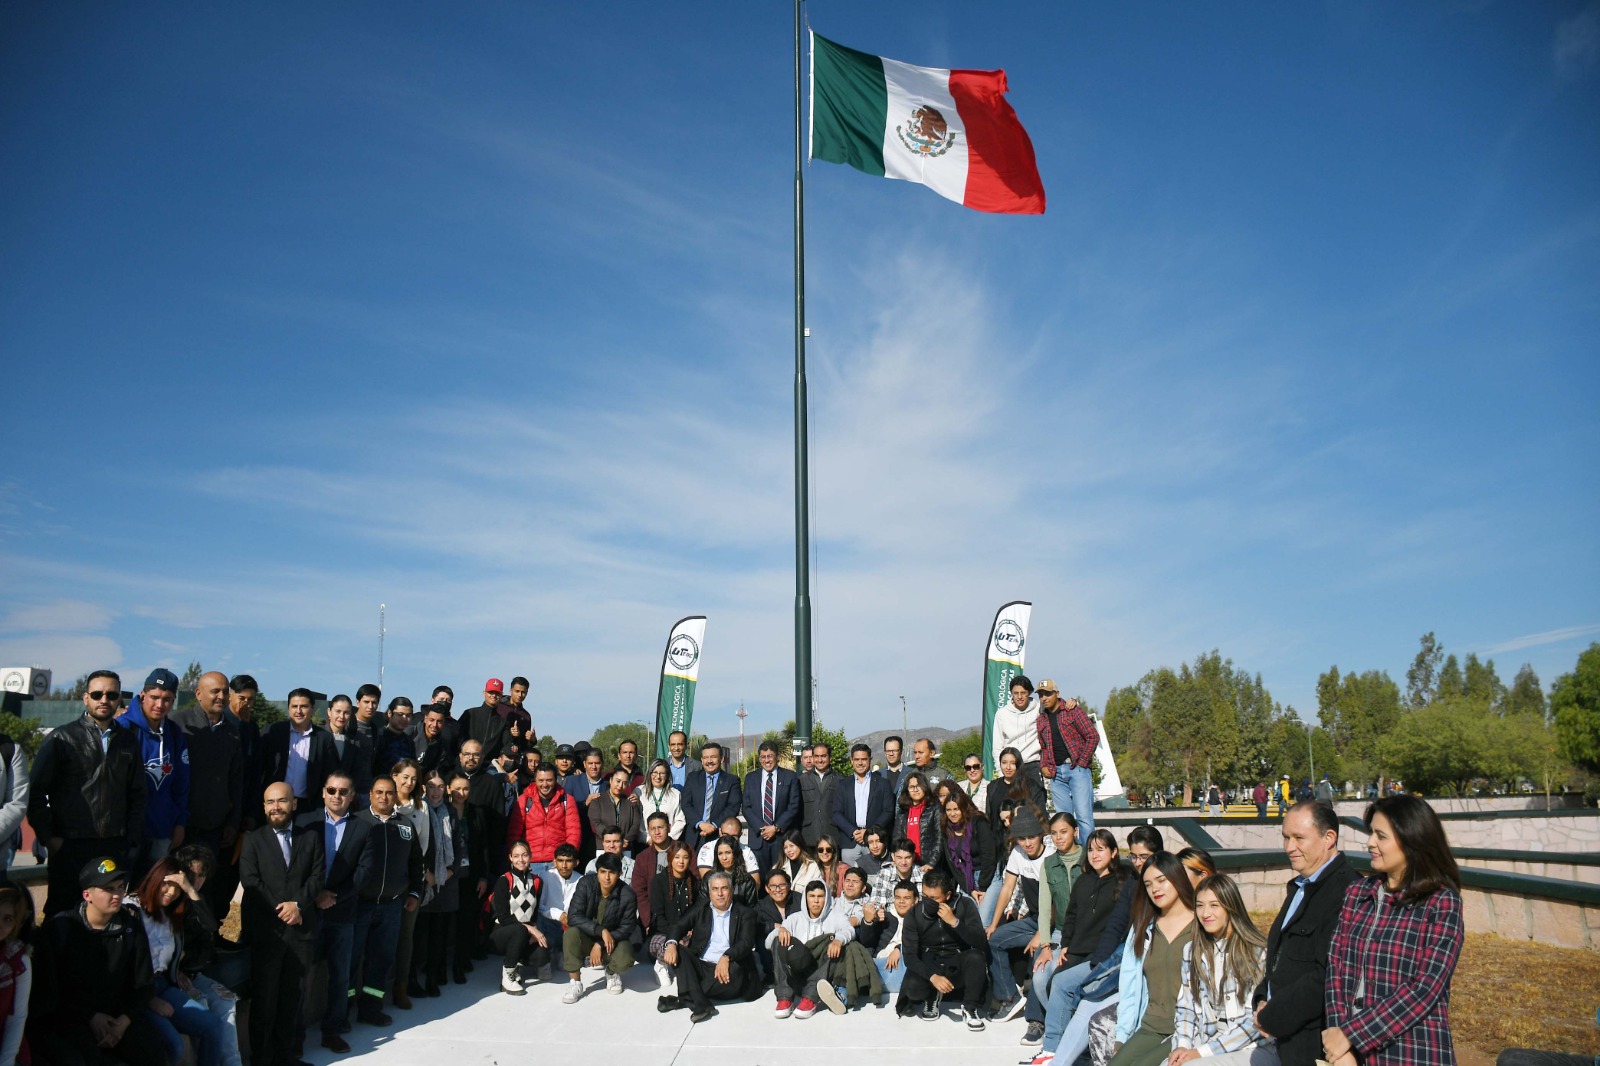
{"x": 1514, "y": 993}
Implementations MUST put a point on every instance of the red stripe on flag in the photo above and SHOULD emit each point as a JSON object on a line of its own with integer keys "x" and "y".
{"x": 1002, "y": 175}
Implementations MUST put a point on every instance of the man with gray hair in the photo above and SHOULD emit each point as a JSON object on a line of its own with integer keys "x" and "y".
{"x": 719, "y": 961}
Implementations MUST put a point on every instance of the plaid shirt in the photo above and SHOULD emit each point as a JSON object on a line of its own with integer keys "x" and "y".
{"x": 1214, "y": 1028}
{"x": 1080, "y": 734}
{"x": 1400, "y": 958}
{"x": 883, "y": 885}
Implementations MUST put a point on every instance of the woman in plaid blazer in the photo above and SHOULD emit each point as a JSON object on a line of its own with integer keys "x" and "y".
{"x": 1396, "y": 944}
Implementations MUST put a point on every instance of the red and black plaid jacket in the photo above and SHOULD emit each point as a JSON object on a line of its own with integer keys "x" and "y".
{"x": 1076, "y": 729}
{"x": 1405, "y": 954}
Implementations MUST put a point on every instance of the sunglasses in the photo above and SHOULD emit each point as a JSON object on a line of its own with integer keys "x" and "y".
{"x": 824, "y": 851}
{"x": 974, "y": 766}
{"x": 106, "y": 694}
{"x": 330, "y": 791}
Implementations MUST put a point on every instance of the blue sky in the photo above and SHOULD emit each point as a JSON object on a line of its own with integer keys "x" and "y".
{"x": 485, "y": 313}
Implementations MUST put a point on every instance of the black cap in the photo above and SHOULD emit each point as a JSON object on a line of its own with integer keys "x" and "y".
{"x": 163, "y": 679}
{"x": 564, "y": 751}
{"x": 102, "y": 873}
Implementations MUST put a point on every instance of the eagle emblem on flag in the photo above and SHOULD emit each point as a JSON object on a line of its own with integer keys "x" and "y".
{"x": 926, "y": 133}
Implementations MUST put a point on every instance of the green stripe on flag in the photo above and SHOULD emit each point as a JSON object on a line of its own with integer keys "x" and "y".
{"x": 849, "y": 106}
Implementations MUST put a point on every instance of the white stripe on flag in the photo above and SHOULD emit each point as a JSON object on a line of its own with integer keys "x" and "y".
{"x": 943, "y": 168}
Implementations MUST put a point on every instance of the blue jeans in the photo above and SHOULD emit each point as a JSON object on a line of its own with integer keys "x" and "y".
{"x": 221, "y": 1001}
{"x": 1074, "y": 1040}
{"x": 1064, "y": 988}
{"x": 336, "y": 946}
{"x": 891, "y": 978}
{"x": 1010, "y": 935}
{"x": 1072, "y": 789}
{"x": 991, "y": 899}
{"x": 193, "y": 1019}
{"x": 378, "y": 934}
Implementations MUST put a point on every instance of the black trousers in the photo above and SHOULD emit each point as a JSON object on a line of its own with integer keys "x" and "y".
{"x": 518, "y": 947}
{"x": 430, "y": 946}
{"x": 792, "y": 969}
{"x": 64, "y": 893}
{"x": 141, "y": 1045}
{"x": 697, "y": 981}
{"x": 277, "y": 976}
{"x": 968, "y": 971}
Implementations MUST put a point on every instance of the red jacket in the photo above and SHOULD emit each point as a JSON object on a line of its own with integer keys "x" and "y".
{"x": 544, "y": 826}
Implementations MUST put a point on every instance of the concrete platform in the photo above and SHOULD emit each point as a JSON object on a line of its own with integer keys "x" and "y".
{"x": 476, "y": 1023}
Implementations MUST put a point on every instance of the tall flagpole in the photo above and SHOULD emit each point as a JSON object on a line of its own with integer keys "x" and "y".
{"x": 802, "y": 510}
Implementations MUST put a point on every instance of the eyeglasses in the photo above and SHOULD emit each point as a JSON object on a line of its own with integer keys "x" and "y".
{"x": 113, "y": 695}
{"x": 329, "y": 790}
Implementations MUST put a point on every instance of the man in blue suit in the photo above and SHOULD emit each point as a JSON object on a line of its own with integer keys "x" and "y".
{"x": 771, "y": 806}
{"x": 859, "y": 804}
{"x": 710, "y": 794}
{"x": 347, "y": 863}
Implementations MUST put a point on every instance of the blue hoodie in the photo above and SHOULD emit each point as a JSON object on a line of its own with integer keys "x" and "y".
{"x": 166, "y": 772}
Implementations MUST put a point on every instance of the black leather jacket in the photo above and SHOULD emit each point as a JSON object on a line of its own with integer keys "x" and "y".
{"x": 78, "y": 792}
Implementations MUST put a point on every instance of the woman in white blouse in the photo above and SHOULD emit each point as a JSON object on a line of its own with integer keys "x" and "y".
{"x": 657, "y": 794}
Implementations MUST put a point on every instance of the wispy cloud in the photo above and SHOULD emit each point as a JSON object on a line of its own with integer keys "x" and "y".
{"x": 1539, "y": 640}
{"x": 1577, "y": 46}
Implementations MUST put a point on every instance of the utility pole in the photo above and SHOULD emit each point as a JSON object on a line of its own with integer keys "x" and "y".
{"x": 903, "y": 727}
{"x": 381, "y": 630}
{"x": 742, "y": 714}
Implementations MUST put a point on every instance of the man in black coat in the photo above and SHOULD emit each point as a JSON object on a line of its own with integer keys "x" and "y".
{"x": 484, "y": 724}
{"x": 299, "y": 752}
{"x": 771, "y": 806}
{"x": 718, "y": 963}
{"x": 602, "y": 920}
{"x": 432, "y": 745}
{"x": 281, "y": 868}
{"x": 87, "y": 793}
{"x": 817, "y": 787}
{"x": 393, "y": 889}
{"x": 1289, "y": 1001}
{"x": 944, "y": 951}
{"x": 859, "y": 803}
{"x": 347, "y": 866}
{"x": 216, "y": 780}
{"x": 710, "y": 794}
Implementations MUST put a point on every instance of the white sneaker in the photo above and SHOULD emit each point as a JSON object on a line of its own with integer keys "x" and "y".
{"x": 614, "y": 983}
{"x": 829, "y": 996}
{"x": 509, "y": 982}
{"x": 663, "y": 974}
{"x": 973, "y": 1019}
{"x": 574, "y": 992}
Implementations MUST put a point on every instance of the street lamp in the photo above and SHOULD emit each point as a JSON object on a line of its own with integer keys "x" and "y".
{"x": 903, "y": 727}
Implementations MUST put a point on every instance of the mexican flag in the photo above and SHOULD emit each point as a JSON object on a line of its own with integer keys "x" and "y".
{"x": 950, "y": 130}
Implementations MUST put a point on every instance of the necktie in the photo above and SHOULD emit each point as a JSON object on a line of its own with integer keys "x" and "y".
{"x": 283, "y": 841}
{"x": 766, "y": 801}
{"x": 711, "y": 791}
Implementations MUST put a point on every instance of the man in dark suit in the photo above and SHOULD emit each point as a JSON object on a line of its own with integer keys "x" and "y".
{"x": 216, "y": 780}
{"x": 816, "y": 795}
{"x": 1289, "y": 1001}
{"x": 710, "y": 794}
{"x": 719, "y": 962}
{"x": 434, "y": 748}
{"x": 299, "y": 752}
{"x": 347, "y": 866}
{"x": 280, "y": 866}
{"x": 771, "y": 805}
{"x": 859, "y": 804}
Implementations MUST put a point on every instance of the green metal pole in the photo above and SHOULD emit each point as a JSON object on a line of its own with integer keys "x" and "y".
{"x": 802, "y": 509}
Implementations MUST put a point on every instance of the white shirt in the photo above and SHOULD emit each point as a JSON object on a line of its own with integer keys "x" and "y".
{"x": 717, "y": 945}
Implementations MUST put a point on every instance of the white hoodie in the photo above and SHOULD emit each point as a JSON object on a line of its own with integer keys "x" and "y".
{"x": 805, "y": 928}
{"x": 1016, "y": 729}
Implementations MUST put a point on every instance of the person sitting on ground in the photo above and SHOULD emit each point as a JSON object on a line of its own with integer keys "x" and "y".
{"x": 1094, "y": 895}
{"x": 613, "y": 842}
{"x": 853, "y": 899}
{"x": 601, "y": 923}
{"x": 830, "y": 862}
{"x": 804, "y": 949}
{"x": 716, "y": 962}
{"x": 969, "y": 846}
{"x": 674, "y": 892}
{"x": 658, "y": 796}
{"x": 903, "y": 868}
{"x": 945, "y": 953}
{"x": 1016, "y": 921}
{"x": 516, "y": 935}
{"x": 876, "y": 857}
{"x": 560, "y": 882}
{"x": 177, "y": 1008}
{"x": 92, "y": 978}
{"x": 729, "y": 857}
{"x": 779, "y": 901}
{"x": 1221, "y": 968}
{"x": 1060, "y": 870}
{"x": 798, "y": 862}
{"x": 1152, "y": 964}
{"x": 880, "y": 931}
{"x": 919, "y": 819}
{"x": 705, "y": 858}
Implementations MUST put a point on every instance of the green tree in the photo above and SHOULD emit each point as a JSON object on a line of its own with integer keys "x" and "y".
{"x": 1357, "y": 711}
{"x": 79, "y": 687}
{"x": 1483, "y": 685}
{"x": 608, "y": 737}
{"x": 956, "y": 750}
{"x": 1575, "y": 703}
{"x": 1422, "y": 677}
{"x": 263, "y": 712}
{"x": 1531, "y": 744}
{"x": 1526, "y": 695}
{"x": 27, "y": 732}
{"x": 190, "y": 678}
{"x": 838, "y": 743}
{"x": 1452, "y": 683}
{"x": 1442, "y": 747}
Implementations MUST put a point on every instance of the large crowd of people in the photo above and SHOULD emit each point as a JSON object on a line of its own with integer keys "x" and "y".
{"x": 386, "y": 853}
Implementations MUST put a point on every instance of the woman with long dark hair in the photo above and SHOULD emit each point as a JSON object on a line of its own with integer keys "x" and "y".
{"x": 176, "y": 1005}
{"x": 828, "y": 860}
{"x": 1161, "y": 929}
{"x": 798, "y": 864}
{"x": 674, "y": 892}
{"x": 1395, "y": 948}
{"x": 729, "y": 858}
{"x": 1089, "y": 906}
{"x": 969, "y": 851}
{"x": 514, "y": 905}
{"x": 918, "y": 818}
{"x": 410, "y": 804}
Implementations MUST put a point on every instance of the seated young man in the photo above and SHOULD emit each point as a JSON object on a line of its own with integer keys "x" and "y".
{"x": 716, "y": 964}
{"x": 880, "y": 931}
{"x": 903, "y": 868}
{"x": 1016, "y": 924}
{"x": 804, "y": 949}
{"x": 559, "y": 884}
{"x": 707, "y": 856}
{"x": 602, "y": 921}
{"x": 879, "y": 840}
{"x": 853, "y": 899}
{"x": 776, "y": 905}
{"x": 944, "y": 952}
{"x": 611, "y": 842}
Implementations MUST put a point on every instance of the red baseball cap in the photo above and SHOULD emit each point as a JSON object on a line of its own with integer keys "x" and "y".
{"x": 494, "y": 684}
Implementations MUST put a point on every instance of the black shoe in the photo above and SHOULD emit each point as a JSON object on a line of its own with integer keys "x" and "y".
{"x": 431, "y": 989}
{"x": 417, "y": 988}
{"x": 667, "y": 1004}
{"x": 461, "y": 977}
{"x": 930, "y": 1011}
{"x": 703, "y": 1015}
{"x": 478, "y": 954}
{"x": 335, "y": 1043}
{"x": 378, "y": 1018}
